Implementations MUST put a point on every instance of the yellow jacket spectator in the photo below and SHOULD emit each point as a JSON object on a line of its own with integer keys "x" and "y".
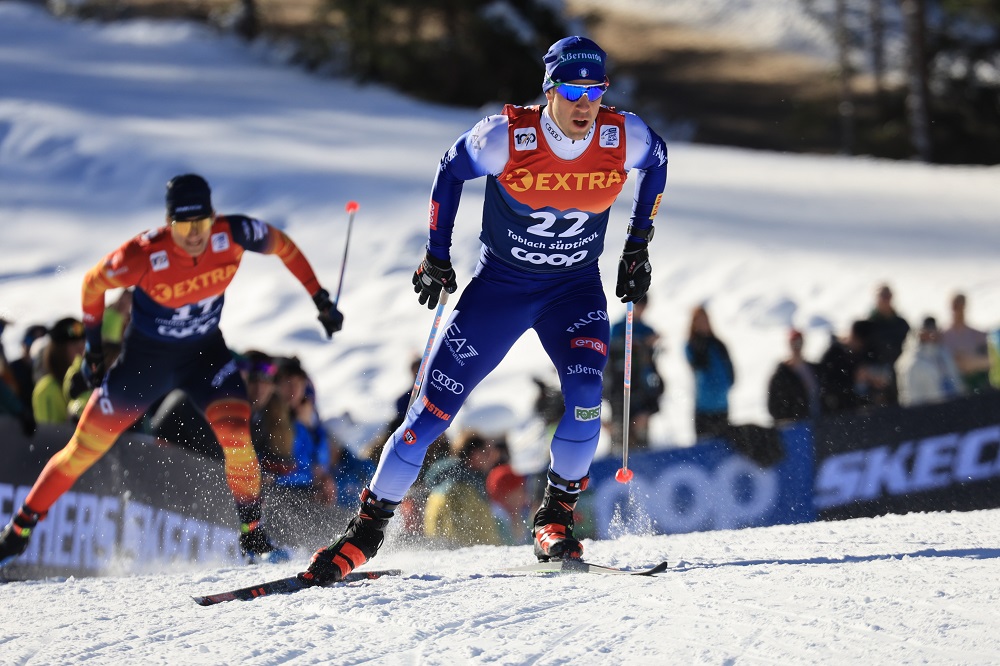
{"x": 458, "y": 509}
{"x": 48, "y": 401}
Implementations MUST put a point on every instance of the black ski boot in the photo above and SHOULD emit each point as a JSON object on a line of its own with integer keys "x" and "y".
{"x": 255, "y": 545}
{"x": 552, "y": 528}
{"x": 14, "y": 538}
{"x": 359, "y": 543}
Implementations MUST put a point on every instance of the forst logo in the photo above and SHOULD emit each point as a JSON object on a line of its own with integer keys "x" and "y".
{"x": 587, "y": 413}
{"x": 589, "y": 343}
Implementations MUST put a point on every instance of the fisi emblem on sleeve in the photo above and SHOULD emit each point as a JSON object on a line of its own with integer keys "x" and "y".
{"x": 159, "y": 261}
{"x": 609, "y": 136}
{"x": 220, "y": 242}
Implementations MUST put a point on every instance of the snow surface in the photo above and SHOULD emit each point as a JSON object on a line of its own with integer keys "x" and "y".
{"x": 916, "y": 589}
{"x": 94, "y": 119}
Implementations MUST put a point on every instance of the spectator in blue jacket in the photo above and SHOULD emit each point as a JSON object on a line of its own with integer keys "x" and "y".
{"x": 310, "y": 479}
{"x": 713, "y": 376}
{"x": 349, "y": 472}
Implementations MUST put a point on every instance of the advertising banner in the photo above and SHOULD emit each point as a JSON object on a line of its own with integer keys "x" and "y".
{"x": 895, "y": 460}
{"x": 708, "y": 486}
{"x": 141, "y": 506}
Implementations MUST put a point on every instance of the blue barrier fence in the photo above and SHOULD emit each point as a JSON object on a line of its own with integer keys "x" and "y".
{"x": 144, "y": 504}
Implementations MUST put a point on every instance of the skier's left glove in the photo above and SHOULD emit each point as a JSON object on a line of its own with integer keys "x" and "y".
{"x": 329, "y": 315}
{"x": 92, "y": 367}
{"x": 634, "y": 272}
{"x": 431, "y": 277}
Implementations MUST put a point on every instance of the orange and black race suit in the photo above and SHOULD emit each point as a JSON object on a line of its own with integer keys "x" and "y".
{"x": 173, "y": 342}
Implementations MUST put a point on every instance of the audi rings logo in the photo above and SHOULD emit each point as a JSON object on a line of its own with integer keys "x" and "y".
{"x": 551, "y": 259}
{"x": 447, "y": 382}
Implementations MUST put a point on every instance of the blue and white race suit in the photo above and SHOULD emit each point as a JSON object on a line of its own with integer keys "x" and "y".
{"x": 544, "y": 221}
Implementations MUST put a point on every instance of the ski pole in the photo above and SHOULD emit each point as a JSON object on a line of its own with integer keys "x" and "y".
{"x": 418, "y": 382}
{"x": 624, "y": 474}
{"x": 352, "y": 208}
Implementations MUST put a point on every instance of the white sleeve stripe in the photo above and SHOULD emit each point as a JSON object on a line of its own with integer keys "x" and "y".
{"x": 489, "y": 146}
{"x": 637, "y": 140}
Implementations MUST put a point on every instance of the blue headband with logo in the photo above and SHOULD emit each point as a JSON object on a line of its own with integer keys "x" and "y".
{"x": 572, "y": 59}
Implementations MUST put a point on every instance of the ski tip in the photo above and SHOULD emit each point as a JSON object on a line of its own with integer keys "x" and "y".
{"x": 659, "y": 568}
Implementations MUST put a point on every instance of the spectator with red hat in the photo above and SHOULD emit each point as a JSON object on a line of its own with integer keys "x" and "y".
{"x": 511, "y": 501}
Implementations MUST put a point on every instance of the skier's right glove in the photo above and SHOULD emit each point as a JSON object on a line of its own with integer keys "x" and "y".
{"x": 93, "y": 366}
{"x": 329, "y": 315}
{"x": 634, "y": 272}
{"x": 431, "y": 277}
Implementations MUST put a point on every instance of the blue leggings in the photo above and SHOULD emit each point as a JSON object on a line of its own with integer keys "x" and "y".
{"x": 568, "y": 312}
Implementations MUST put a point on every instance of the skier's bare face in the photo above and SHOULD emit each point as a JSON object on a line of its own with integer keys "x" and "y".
{"x": 192, "y": 235}
{"x": 574, "y": 118}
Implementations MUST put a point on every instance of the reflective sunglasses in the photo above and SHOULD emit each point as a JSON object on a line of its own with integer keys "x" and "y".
{"x": 200, "y": 225}
{"x": 574, "y": 91}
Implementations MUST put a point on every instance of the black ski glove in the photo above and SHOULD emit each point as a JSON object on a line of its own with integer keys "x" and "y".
{"x": 93, "y": 368}
{"x": 329, "y": 315}
{"x": 634, "y": 272}
{"x": 431, "y": 276}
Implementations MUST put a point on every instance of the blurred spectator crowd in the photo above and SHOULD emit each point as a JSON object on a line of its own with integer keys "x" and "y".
{"x": 468, "y": 491}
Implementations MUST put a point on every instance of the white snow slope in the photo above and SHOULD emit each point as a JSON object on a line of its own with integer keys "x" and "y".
{"x": 94, "y": 119}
